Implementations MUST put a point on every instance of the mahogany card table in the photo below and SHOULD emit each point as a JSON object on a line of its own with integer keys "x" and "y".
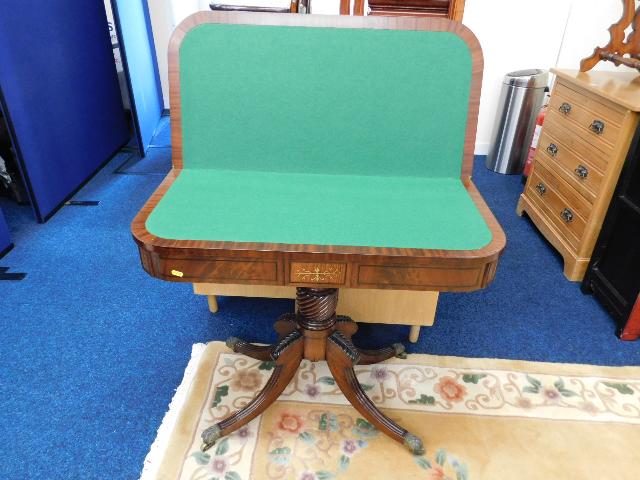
{"x": 321, "y": 152}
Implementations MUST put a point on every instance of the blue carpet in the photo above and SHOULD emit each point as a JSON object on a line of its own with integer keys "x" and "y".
{"x": 157, "y": 161}
{"x": 92, "y": 348}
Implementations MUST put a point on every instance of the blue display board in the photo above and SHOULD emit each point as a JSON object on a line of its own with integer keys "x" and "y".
{"x": 138, "y": 52}
{"x": 60, "y": 94}
{"x": 5, "y": 237}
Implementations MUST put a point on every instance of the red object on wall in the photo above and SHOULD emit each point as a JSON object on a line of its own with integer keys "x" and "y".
{"x": 534, "y": 142}
{"x": 631, "y": 330}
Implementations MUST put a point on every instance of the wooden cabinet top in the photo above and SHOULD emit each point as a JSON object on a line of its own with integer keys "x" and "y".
{"x": 620, "y": 87}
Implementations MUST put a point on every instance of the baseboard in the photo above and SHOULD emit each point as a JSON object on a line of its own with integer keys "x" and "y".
{"x": 482, "y": 148}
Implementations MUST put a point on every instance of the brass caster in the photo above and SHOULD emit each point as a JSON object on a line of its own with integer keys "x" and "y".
{"x": 209, "y": 437}
{"x": 232, "y": 342}
{"x": 400, "y": 351}
{"x": 414, "y": 444}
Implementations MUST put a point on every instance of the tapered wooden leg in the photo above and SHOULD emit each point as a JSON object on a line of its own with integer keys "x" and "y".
{"x": 287, "y": 355}
{"x": 213, "y": 303}
{"x": 414, "y": 333}
{"x": 341, "y": 357}
{"x": 628, "y": 336}
{"x": 631, "y": 330}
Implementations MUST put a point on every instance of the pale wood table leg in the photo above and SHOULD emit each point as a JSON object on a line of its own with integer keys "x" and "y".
{"x": 414, "y": 333}
{"x": 213, "y": 303}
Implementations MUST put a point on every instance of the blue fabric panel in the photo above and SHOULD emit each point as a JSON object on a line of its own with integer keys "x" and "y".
{"x": 5, "y": 238}
{"x": 61, "y": 94}
{"x": 140, "y": 66}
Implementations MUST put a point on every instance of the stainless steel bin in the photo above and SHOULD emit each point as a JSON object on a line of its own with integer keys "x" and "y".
{"x": 521, "y": 97}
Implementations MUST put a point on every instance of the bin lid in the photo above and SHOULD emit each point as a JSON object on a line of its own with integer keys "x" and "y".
{"x": 531, "y": 78}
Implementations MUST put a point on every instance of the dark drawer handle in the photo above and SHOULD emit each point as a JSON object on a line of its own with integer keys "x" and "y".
{"x": 597, "y": 126}
{"x": 542, "y": 189}
{"x": 582, "y": 171}
{"x": 567, "y": 215}
{"x": 552, "y": 149}
{"x": 565, "y": 108}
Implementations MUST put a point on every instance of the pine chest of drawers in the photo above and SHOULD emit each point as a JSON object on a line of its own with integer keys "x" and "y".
{"x": 587, "y": 131}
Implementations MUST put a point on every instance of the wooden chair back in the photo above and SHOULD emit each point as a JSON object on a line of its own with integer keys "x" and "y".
{"x": 451, "y": 9}
{"x": 295, "y": 6}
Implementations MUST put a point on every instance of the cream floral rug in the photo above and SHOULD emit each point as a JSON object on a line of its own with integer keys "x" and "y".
{"x": 479, "y": 419}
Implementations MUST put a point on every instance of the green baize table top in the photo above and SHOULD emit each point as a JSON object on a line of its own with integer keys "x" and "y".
{"x": 353, "y": 138}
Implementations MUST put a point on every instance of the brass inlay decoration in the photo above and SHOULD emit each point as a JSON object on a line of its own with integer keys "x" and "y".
{"x": 177, "y": 273}
{"x": 317, "y": 273}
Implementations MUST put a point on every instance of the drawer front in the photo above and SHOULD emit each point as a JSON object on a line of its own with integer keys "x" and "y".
{"x": 612, "y": 112}
{"x": 403, "y": 276}
{"x": 241, "y": 271}
{"x": 583, "y": 149}
{"x": 545, "y": 192}
{"x": 599, "y": 127}
{"x": 576, "y": 171}
{"x": 576, "y": 202}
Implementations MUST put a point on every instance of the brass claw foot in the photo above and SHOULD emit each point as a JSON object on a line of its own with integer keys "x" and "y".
{"x": 413, "y": 443}
{"x": 210, "y": 436}
{"x": 400, "y": 351}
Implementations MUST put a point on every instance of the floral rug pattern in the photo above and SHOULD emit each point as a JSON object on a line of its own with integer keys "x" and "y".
{"x": 312, "y": 434}
{"x": 399, "y": 385}
{"x": 309, "y": 445}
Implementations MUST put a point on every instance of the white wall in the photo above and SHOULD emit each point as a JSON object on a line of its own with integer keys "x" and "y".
{"x": 587, "y": 28}
{"x": 514, "y": 34}
{"x": 122, "y": 79}
{"x": 166, "y": 14}
{"x": 162, "y": 25}
{"x": 517, "y": 34}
